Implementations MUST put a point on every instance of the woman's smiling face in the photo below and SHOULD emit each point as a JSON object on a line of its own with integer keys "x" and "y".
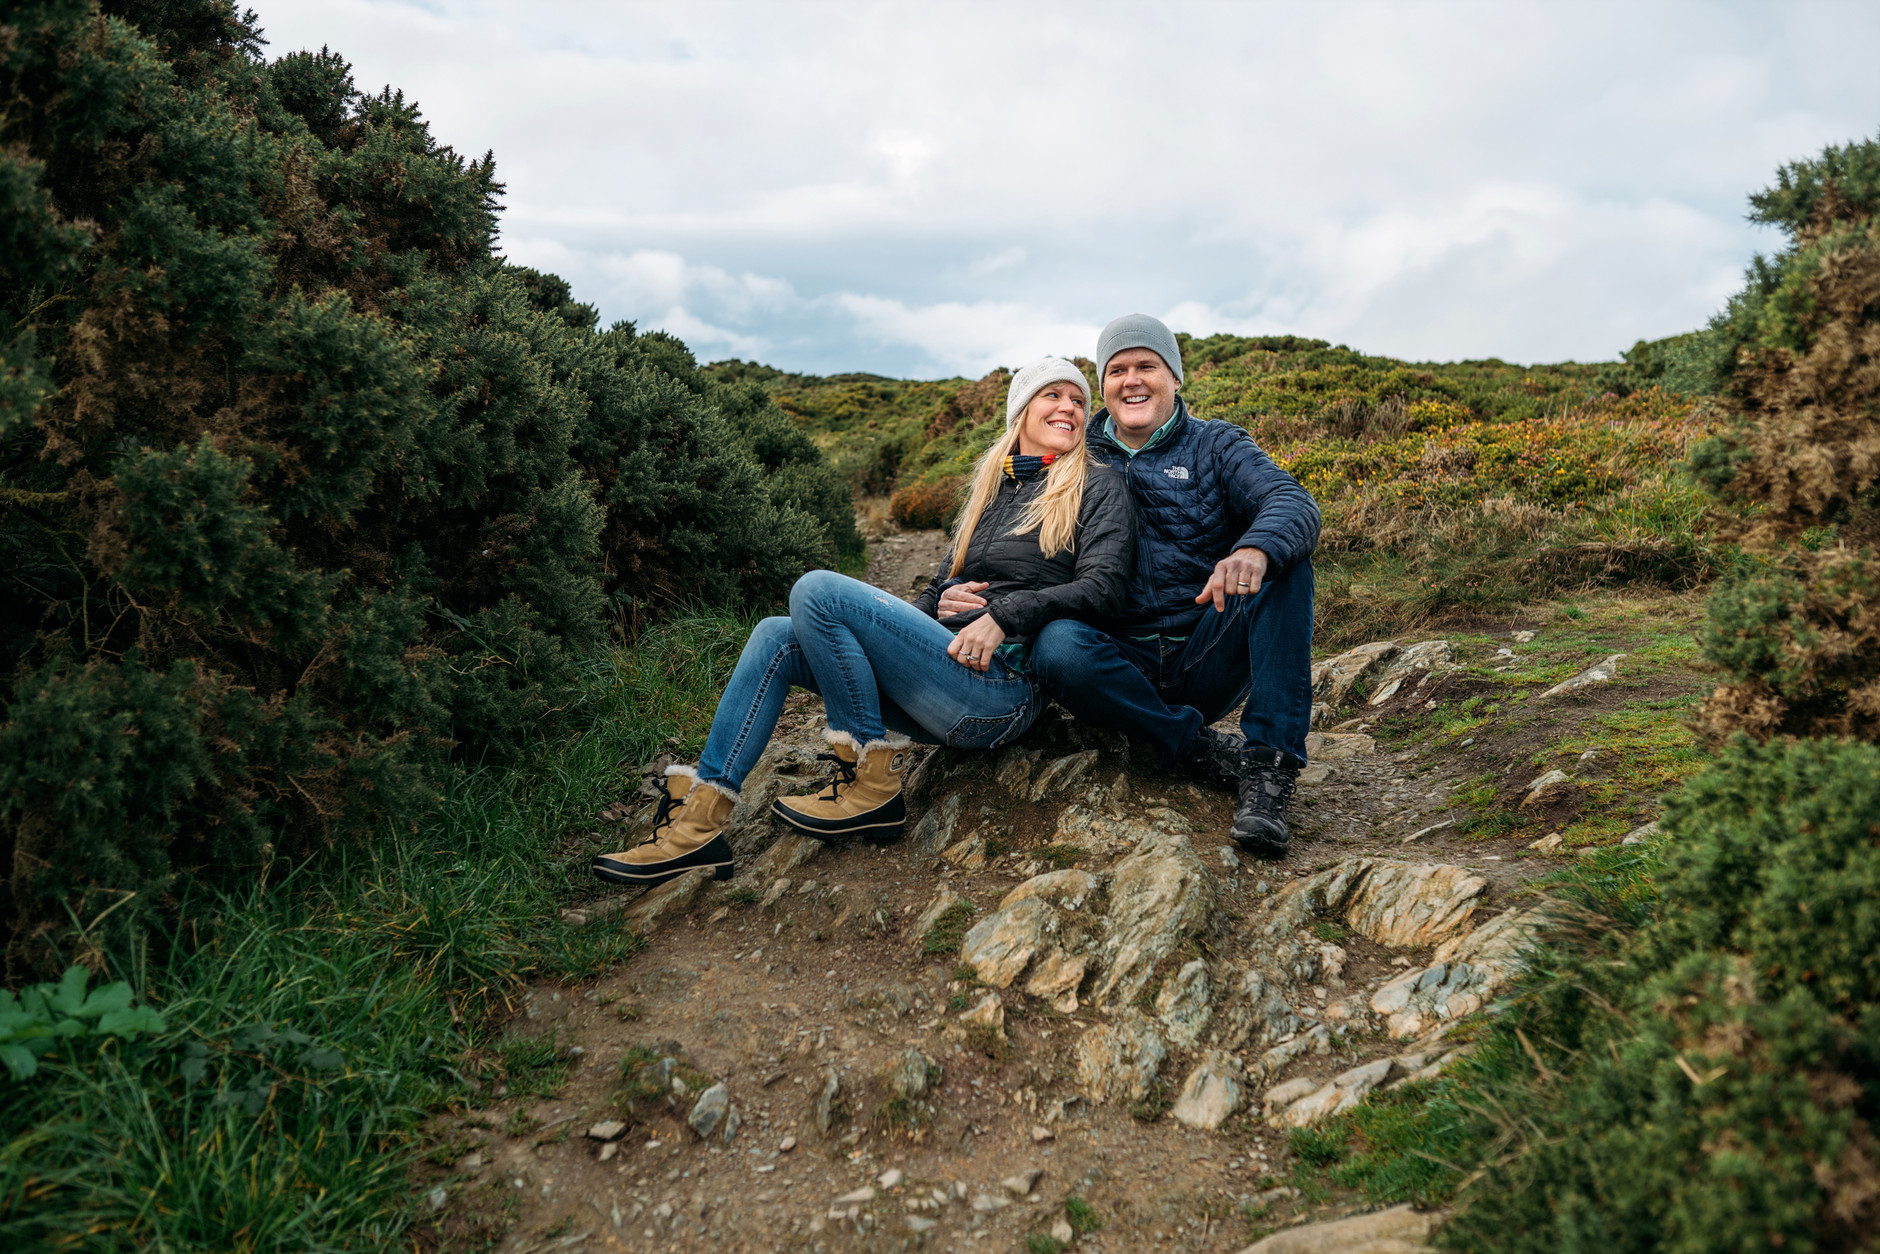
{"x": 1054, "y": 420}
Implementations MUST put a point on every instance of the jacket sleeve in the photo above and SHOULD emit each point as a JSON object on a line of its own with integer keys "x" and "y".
{"x": 1284, "y": 519}
{"x": 1106, "y": 550}
{"x": 928, "y": 602}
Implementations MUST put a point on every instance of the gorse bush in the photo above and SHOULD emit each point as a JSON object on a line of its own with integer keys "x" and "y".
{"x": 1799, "y": 639}
{"x": 301, "y": 487}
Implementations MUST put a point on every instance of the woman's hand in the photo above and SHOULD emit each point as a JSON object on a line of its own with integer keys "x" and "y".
{"x": 975, "y": 643}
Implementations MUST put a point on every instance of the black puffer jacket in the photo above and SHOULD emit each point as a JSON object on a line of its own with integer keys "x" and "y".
{"x": 1028, "y": 589}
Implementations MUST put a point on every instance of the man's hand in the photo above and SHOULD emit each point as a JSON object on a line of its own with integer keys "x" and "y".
{"x": 1237, "y": 575}
{"x": 960, "y": 598}
{"x": 974, "y": 645}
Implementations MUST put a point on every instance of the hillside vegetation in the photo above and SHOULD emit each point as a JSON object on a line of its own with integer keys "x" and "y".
{"x": 1469, "y": 487}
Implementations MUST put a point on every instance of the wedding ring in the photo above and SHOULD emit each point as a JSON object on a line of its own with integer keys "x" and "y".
{"x": 1241, "y": 584}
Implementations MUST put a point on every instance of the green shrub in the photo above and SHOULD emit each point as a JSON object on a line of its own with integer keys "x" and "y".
{"x": 1724, "y": 1077}
{"x": 302, "y": 490}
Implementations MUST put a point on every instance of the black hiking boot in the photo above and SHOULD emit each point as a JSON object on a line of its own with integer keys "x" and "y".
{"x": 1266, "y": 785}
{"x": 1212, "y": 760}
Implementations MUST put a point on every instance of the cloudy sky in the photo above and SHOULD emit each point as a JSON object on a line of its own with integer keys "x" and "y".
{"x": 936, "y": 188}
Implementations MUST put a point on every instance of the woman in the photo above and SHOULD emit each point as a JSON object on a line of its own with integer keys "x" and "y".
{"x": 1045, "y": 534}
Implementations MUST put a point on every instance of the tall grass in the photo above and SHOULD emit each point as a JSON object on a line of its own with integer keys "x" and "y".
{"x": 317, "y": 1016}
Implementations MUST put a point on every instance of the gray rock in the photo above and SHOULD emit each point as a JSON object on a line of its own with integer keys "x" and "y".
{"x": 1639, "y": 835}
{"x": 1332, "y": 679}
{"x": 1465, "y": 973}
{"x": 1314, "y": 1040}
{"x": 1411, "y": 668}
{"x": 1000, "y": 946}
{"x": 934, "y": 832}
{"x": 607, "y": 1130}
{"x": 1256, "y": 1013}
{"x": 1345, "y": 1090}
{"x": 785, "y": 855}
{"x": 1211, "y": 1092}
{"x": 1601, "y": 673}
{"x": 1015, "y": 768}
{"x": 823, "y": 1111}
{"x": 1280, "y": 1096}
{"x": 1117, "y": 1061}
{"x": 911, "y": 1074}
{"x": 1068, "y": 889}
{"x": 1399, "y": 1230}
{"x": 709, "y": 1111}
{"x": 1401, "y": 904}
{"x": 672, "y": 898}
{"x": 1056, "y": 976}
{"x": 1546, "y": 789}
{"x": 1159, "y": 896}
{"x": 1062, "y": 774}
{"x": 1184, "y": 1004}
{"x": 1023, "y": 1183}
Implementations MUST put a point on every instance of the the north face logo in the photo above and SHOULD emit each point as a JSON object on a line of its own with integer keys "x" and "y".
{"x": 1175, "y": 472}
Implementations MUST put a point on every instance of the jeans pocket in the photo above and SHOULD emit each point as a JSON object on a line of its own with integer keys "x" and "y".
{"x": 974, "y": 732}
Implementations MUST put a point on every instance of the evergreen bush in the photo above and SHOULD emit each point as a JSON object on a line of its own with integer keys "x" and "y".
{"x": 301, "y": 487}
{"x": 1799, "y": 639}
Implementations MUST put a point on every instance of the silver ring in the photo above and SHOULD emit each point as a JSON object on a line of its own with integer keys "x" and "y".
{"x": 1241, "y": 584}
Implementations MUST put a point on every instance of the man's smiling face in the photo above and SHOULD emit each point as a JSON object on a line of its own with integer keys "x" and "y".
{"x": 1139, "y": 389}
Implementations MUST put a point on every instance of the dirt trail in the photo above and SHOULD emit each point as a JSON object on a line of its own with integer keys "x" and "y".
{"x": 827, "y": 976}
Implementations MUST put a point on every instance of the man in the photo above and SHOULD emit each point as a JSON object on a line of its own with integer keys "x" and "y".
{"x": 1219, "y": 610}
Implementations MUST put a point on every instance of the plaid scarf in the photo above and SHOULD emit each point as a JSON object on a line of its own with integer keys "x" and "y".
{"x": 1023, "y": 467}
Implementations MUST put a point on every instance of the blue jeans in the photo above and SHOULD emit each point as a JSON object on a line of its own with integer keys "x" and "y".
{"x": 1258, "y": 651}
{"x": 881, "y": 666}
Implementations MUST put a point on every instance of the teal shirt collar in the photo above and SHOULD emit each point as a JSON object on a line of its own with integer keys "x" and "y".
{"x": 1161, "y": 432}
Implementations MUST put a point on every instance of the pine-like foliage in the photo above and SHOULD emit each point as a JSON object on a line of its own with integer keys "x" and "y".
{"x": 1800, "y": 639}
{"x": 1717, "y": 1087}
{"x": 301, "y": 488}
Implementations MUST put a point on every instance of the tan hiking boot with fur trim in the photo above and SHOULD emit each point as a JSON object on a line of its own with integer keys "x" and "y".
{"x": 688, "y": 833}
{"x": 863, "y": 799}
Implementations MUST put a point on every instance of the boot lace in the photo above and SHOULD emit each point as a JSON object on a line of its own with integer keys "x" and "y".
{"x": 845, "y": 775}
{"x": 1271, "y": 789}
{"x": 662, "y": 816}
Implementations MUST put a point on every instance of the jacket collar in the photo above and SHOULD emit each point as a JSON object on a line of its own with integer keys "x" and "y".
{"x": 1105, "y": 432}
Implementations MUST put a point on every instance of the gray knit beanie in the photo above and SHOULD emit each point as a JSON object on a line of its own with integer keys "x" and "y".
{"x": 1138, "y": 331}
{"x": 1034, "y": 378}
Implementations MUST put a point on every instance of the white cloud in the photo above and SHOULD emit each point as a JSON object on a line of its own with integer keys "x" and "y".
{"x": 926, "y": 186}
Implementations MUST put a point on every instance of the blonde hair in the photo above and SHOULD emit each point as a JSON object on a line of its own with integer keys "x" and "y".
{"x": 1052, "y": 514}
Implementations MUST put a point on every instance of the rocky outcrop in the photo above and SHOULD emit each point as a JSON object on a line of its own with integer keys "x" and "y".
{"x": 1159, "y": 896}
{"x": 1000, "y": 946}
{"x": 1068, "y": 889}
{"x": 1463, "y": 975}
{"x": 1384, "y": 668}
{"x": 1184, "y": 1005}
{"x": 1117, "y": 1061}
{"x": 1401, "y": 904}
{"x": 1062, "y": 774}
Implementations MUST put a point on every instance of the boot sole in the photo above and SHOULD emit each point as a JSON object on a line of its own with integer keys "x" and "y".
{"x": 860, "y": 823}
{"x": 650, "y": 879}
{"x": 646, "y": 874}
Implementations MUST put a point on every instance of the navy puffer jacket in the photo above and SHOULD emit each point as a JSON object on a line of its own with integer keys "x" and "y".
{"x": 1204, "y": 491}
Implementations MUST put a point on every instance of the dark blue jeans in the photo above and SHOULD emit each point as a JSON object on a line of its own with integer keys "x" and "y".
{"x": 1257, "y": 651}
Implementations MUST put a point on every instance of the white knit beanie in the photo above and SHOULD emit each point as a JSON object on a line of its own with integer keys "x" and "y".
{"x": 1034, "y": 378}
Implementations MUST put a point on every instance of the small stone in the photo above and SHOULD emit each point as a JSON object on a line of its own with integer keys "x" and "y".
{"x": 437, "y": 1197}
{"x": 916, "y": 1224}
{"x": 1604, "y": 672}
{"x": 609, "y": 1150}
{"x": 825, "y": 1103}
{"x": 710, "y": 1111}
{"x": 1548, "y": 843}
{"x": 988, "y": 1014}
{"x": 720, "y": 915}
{"x": 1023, "y": 1183}
{"x": 891, "y": 1178}
{"x": 1062, "y": 774}
{"x": 1040, "y": 1134}
{"x": 1117, "y": 1061}
{"x": 778, "y": 888}
{"x": 1639, "y": 835}
{"x": 786, "y": 1145}
{"x": 984, "y": 1202}
{"x": 607, "y": 1130}
{"x": 1211, "y": 1093}
{"x": 858, "y": 1197}
{"x": 1547, "y": 788}
{"x": 1062, "y": 1232}
{"x": 943, "y": 901}
{"x": 1521, "y": 637}
{"x": 1229, "y": 858}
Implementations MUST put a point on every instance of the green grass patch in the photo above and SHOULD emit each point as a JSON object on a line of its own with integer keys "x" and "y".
{"x": 1082, "y": 1217}
{"x": 948, "y": 930}
{"x": 315, "y": 1023}
{"x": 1058, "y": 856}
